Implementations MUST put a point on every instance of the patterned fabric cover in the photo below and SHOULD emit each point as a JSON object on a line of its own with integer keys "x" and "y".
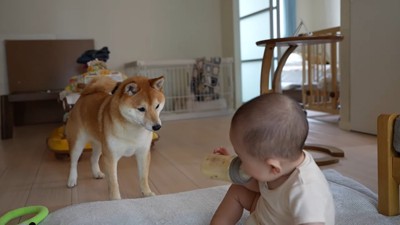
{"x": 205, "y": 79}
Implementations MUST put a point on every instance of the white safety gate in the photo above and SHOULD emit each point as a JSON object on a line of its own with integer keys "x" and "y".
{"x": 193, "y": 87}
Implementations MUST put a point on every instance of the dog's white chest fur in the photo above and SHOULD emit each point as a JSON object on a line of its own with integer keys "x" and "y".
{"x": 126, "y": 142}
{"x": 116, "y": 132}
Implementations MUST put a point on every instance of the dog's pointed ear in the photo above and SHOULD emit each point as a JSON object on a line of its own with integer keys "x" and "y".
{"x": 157, "y": 83}
{"x": 131, "y": 88}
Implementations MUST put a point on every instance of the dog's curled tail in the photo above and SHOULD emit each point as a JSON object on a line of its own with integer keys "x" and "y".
{"x": 99, "y": 84}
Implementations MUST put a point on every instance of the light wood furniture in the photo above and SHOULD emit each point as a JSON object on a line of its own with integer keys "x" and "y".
{"x": 333, "y": 153}
{"x": 324, "y": 98}
{"x": 292, "y": 43}
{"x": 388, "y": 167}
{"x": 320, "y": 87}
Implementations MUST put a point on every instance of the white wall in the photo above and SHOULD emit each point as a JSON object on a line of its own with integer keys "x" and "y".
{"x": 318, "y": 14}
{"x": 132, "y": 29}
{"x": 373, "y": 61}
{"x": 227, "y": 28}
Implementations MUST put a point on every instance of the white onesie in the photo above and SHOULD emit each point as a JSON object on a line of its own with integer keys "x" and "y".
{"x": 304, "y": 197}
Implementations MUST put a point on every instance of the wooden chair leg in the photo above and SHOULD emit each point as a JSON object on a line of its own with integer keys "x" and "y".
{"x": 388, "y": 167}
{"x": 332, "y": 151}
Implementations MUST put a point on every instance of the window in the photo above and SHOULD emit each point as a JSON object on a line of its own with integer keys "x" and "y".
{"x": 260, "y": 20}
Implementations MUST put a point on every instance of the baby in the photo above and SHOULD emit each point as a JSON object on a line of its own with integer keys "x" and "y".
{"x": 287, "y": 187}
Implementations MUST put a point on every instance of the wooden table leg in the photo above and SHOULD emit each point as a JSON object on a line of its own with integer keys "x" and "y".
{"x": 266, "y": 69}
{"x": 7, "y": 120}
{"x": 276, "y": 80}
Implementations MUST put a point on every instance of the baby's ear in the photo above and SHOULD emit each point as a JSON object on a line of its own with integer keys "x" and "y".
{"x": 131, "y": 89}
{"x": 275, "y": 165}
{"x": 157, "y": 83}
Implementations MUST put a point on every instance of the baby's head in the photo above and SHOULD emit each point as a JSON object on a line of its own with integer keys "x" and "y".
{"x": 270, "y": 126}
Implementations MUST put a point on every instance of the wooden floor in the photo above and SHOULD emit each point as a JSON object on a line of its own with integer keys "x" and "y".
{"x": 31, "y": 175}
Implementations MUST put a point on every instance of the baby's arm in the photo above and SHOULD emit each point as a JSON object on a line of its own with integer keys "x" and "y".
{"x": 237, "y": 198}
{"x": 231, "y": 208}
{"x": 252, "y": 184}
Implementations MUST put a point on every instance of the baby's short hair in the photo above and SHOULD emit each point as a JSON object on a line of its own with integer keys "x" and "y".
{"x": 272, "y": 125}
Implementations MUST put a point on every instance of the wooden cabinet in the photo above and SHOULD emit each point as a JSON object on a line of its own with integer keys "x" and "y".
{"x": 37, "y": 70}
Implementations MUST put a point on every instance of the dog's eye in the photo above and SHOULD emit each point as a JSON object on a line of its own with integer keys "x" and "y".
{"x": 141, "y": 109}
{"x": 157, "y": 106}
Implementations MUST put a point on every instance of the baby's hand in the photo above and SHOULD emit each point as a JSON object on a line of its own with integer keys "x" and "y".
{"x": 221, "y": 151}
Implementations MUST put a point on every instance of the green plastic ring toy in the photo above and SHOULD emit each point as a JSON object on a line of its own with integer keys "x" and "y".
{"x": 40, "y": 211}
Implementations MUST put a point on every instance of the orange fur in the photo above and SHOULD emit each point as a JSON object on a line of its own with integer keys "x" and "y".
{"x": 119, "y": 124}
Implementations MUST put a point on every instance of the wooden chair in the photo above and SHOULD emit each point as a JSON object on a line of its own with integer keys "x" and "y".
{"x": 292, "y": 43}
{"x": 388, "y": 165}
{"x": 320, "y": 86}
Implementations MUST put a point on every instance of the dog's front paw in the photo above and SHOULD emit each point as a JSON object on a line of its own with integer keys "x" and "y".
{"x": 98, "y": 175}
{"x": 71, "y": 183}
{"x": 115, "y": 197}
{"x": 148, "y": 194}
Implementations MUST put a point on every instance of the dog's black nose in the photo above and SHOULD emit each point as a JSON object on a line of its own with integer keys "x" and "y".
{"x": 156, "y": 127}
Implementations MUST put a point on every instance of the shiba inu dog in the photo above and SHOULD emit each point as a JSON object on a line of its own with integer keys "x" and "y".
{"x": 117, "y": 120}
